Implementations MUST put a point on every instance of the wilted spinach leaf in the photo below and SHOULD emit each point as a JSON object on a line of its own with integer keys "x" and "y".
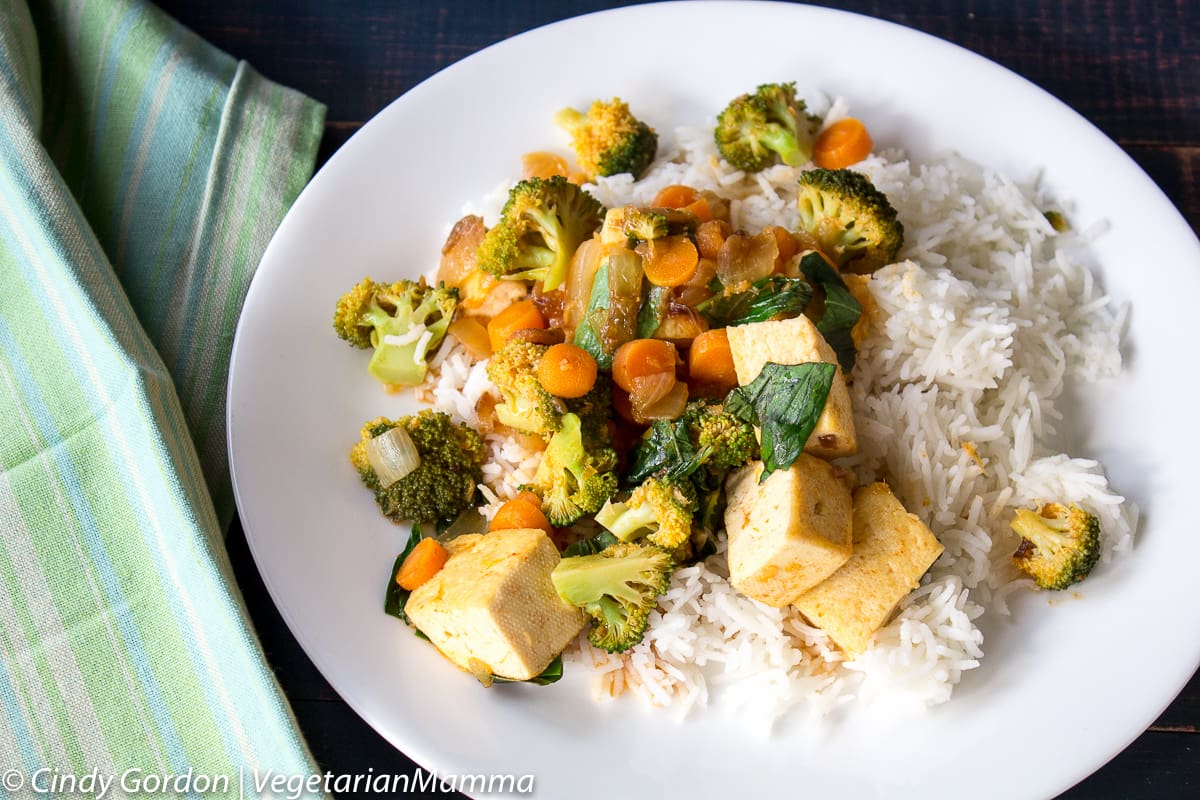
{"x": 666, "y": 448}
{"x": 766, "y": 298}
{"x": 591, "y": 545}
{"x": 842, "y": 311}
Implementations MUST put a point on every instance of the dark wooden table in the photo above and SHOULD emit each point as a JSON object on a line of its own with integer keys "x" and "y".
{"x": 1132, "y": 67}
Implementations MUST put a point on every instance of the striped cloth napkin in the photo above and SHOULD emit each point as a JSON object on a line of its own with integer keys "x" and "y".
{"x": 142, "y": 173}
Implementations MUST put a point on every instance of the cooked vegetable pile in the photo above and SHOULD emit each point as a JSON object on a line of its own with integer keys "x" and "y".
{"x": 685, "y": 383}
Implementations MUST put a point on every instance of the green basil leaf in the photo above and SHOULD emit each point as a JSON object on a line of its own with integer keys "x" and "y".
{"x": 666, "y": 448}
{"x": 842, "y": 311}
{"x": 766, "y": 298}
{"x": 784, "y": 402}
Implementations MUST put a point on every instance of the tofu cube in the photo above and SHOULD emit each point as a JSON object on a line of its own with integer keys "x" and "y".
{"x": 492, "y": 608}
{"x": 797, "y": 341}
{"x": 892, "y": 550}
{"x": 790, "y": 532}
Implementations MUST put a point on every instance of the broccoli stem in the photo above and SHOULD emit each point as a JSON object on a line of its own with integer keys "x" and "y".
{"x": 628, "y": 523}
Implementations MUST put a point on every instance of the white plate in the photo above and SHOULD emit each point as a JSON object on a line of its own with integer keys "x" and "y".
{"x": 1061, "y": 691}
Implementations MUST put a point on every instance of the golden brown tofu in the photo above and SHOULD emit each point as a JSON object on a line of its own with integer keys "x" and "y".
{"x": 492, "y": 608}
{"x": 788, "y": 533}
{"x": 797, "y": 341}
{"x": 892, "y": 550}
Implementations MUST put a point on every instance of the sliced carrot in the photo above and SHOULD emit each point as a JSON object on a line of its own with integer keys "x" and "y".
{"x": 701, "y": 208}
{"x": 669, "y": 261}
{"x": 540, "y": 164}
{"x": 675, "y": 196}
{"x": 520, "y": 316}
{"x": 843, "y": 143}
{"x": 520, "y": 513}
{"x": 710, "y": 361}
{"x": 529, "y": 497}
{"x": 567, "y": 370}
{"x": 425, "y": 560}
{"x": 641, "y": 358}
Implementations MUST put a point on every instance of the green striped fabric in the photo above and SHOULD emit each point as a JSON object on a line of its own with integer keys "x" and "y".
{"x": 142, "y": 173}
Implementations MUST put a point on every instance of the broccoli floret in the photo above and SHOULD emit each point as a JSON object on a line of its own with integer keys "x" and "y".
{"x": 694, "y": 453}
{"x": 404, "y": 321}
{"x": 704, "y": 439}
{"x": 756, "y": 128}
{"x": 618, "y": 588}
{"x": 527, "y": 406}
{"x": 723, "y": 442}
{"x": 626, "y": 223}
{"x": 659, "y": 510}
{"x": 609, "y": 139}
{"x": 633, "y": 224}
{"x": 540, "y": 227}
{"x": 1059, "y": 545}
{"x": 444, "y": 483}
{"x": 575, "y": 476}
{"x": 852, "y": 221}
{"x": 595, "y": 412}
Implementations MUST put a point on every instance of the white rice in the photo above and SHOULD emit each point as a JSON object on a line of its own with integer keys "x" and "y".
{"x": 980, "y": 326}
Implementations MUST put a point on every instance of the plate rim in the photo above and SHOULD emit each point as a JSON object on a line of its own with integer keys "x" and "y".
{"x": 414, "y": 749}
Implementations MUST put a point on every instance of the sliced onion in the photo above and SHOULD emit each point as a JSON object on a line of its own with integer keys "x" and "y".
{"x": 681, "y": 325}
{"x": 646, "y": 390}
{"x": 578, "y": 287}
{"x": 670, "y": 406}
{"x": 657, "y": 396}
{"x": 458, "y": 253}
{"x": 745, "y": 259}
{"x": 392, "y": 455}
{"x": 624, "y": 297}
{"x": 472, "y": 335}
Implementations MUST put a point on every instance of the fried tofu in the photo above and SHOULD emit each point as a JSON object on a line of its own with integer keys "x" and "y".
{"x": 492, "y": 609}
{"x": 790, "y": 532}
{"x": 797, "y": 341}
{"x": 892, "y": 550}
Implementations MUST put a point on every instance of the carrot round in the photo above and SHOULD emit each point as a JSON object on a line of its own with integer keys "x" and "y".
{"x": 567, "y": 370}
{"x": 520, "y": 512}
{"x": 675, "y": 196}
{"x": 425, "y": 560}
{"x": 641, "y": 358}
{"x": 529, "y": 497}
{"x": 670, "y": 261}
{"x": 520, "y": 316}
{"x": 843, "y": 143}
{"x": 710, "y": 361}
{"x": 540, "y": 164}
